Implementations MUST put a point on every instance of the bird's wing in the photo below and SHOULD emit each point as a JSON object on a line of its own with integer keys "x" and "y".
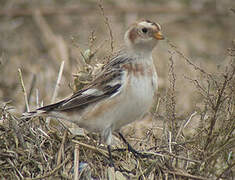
{"x": 107, "y": 84}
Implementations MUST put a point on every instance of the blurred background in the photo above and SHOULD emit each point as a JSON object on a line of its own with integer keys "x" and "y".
{"x": 194, "y": 109}
{"x": 36, "y": 36}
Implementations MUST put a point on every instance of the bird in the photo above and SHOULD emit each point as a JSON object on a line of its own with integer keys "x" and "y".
{"x": 121, "y": 93}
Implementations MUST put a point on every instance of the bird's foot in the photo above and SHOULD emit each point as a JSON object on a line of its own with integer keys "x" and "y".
{"x": 131, "y": 149}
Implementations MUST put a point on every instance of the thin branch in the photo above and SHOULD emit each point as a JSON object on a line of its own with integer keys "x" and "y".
{"x": 184, "y": 124}
{"x": 185, "y": 175}
{"x": 103, "y": 152}
{"x": 196, "y": 67}
{"x": 56, "y": 88}
{"x": 61, "y": 150}
{"x": 23, "y": 89}
{"x": 228, "y": 168}
{"x": 170, "y": 138}
{"x": 76, "y": 162}
{"x": 15, "y": 168}
{"x": 170, "y": 155}
{"x": 107, "y": 24}
{"x": 32, "y": 85}
{"x": 53, "y": 171}
{"x": 58, "y": 82}
{"x": 216, "y": 109}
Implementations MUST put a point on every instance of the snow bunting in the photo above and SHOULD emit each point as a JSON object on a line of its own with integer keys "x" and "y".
{"x": 121, "y": 93}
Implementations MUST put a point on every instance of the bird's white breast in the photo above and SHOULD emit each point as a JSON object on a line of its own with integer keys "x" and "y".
{"x": 138, "y": 96}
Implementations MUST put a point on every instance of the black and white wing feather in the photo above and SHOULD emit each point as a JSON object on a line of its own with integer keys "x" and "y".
{"x": 107, "y": 84}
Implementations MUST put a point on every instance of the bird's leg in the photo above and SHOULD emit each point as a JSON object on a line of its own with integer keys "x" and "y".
{"x": 131, "y": 149}
{"x": 107, "y": 137}
{"x": 110, "y": 156}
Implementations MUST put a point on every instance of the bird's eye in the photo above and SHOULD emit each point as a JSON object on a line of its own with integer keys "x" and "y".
{"x": 144, "y": 30}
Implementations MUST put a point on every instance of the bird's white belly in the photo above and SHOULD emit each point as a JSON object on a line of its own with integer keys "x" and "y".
{"x": 134, "y": 100}
{"x": 137, "y": 100}
{"x": 131, "y": 104}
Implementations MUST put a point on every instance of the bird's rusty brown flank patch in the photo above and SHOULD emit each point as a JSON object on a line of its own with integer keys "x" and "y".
{"x": 136, "y": 69}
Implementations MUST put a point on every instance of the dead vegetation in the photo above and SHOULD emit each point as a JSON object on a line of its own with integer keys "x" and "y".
{"x": 195, "y": 144}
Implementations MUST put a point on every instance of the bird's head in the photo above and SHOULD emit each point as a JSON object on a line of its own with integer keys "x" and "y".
{"x": 143, "y": 36}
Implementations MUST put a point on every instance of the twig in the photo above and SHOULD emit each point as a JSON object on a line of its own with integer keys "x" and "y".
{"x": 228, "y": 168}
{"x": 184, "y": 124}
{"x": 44, "y": 133}
{"x": 53, "y": 171}
{"x": 173, "y": 144}
{"x": 171, "y": 102}
{"x": 15, "y": 168}
{"x": 32, "y": 85}
{"x": 171, "y": 155}
{"x": 61, "y": 151}
{"x": 99, "y": 47}
{"x": 175, "y": 48}
{"x": 203, "y": 92}
{"x": 148, "y": 170}
{"x": 76, "y": 162}
{"x": 37, "y": 98}
{"x": 170, "y": 138}
{"x": 103, "y": 152}
{"x": 56, "y": 87}
{"x": 23, "y": 89}
{"x": 185, "y": 175}
{"x": 220, "y": 149}
{"x": 141, "y": 171}
{"x": 57, "y": 82}
{"x": 107, "y": 24}
{"x": 216, "y": 109}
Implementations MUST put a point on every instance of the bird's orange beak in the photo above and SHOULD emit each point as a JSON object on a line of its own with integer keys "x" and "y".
{"x": 158, "y": 35}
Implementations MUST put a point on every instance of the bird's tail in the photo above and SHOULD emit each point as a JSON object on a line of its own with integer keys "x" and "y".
{"x": 34, "y": 113}
{"x": 42, "y": 111}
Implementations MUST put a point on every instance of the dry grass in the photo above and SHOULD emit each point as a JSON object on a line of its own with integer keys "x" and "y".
{"x": 189, "y": 133}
